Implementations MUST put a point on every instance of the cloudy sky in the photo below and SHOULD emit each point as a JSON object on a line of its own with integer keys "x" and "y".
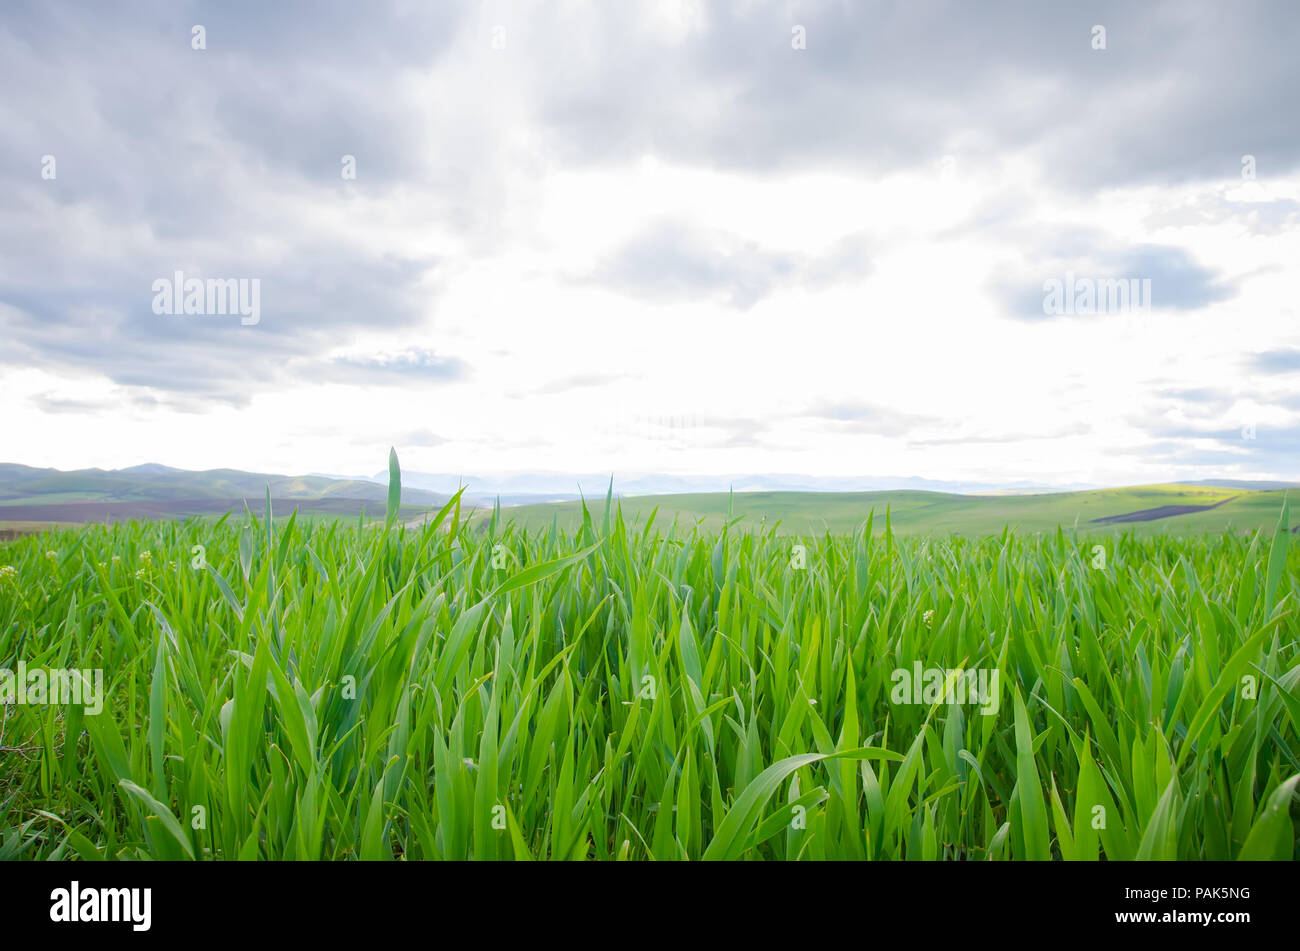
{"x": 678, "y": 236}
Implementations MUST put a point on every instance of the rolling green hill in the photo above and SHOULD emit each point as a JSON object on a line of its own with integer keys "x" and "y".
{"x": 45, "y": 496}
{"x": 936, "y": 513}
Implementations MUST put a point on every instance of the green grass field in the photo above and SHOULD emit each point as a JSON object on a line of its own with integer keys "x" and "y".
{"x": 329, "y": 689}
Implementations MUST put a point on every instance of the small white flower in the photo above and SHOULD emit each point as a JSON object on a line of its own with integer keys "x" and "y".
{"x": 928, "y": 617}
{"x": 139, "y": 573}
{"x": 8, "y": 573}
{"x": 51, "y": 554}
{"x": 146, "y": 556}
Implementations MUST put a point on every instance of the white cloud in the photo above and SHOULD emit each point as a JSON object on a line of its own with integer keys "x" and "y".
{"x": 531, "y": 272}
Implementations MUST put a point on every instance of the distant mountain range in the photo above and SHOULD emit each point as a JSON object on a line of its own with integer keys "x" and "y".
{"x": 153, "y": 482}
{"x": 530, "y": 487}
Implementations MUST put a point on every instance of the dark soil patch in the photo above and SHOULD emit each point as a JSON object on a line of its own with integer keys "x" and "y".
{"x": 1162, "y": 511}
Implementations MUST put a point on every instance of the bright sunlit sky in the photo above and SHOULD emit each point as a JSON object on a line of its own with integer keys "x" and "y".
{"x": 654, "y": 237}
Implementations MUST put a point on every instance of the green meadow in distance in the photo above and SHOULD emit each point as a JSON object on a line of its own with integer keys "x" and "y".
{"x": 936, "y": 513}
